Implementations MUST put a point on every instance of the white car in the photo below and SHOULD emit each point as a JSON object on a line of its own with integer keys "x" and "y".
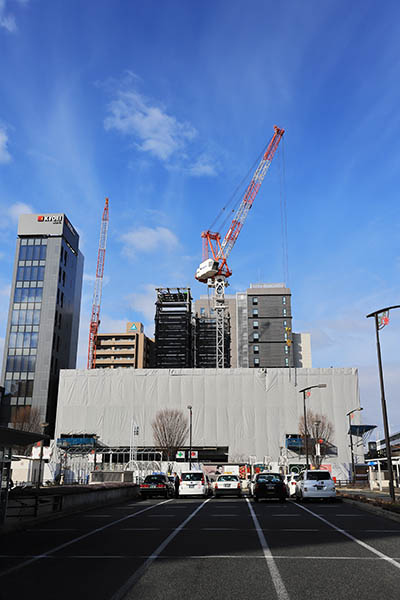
{"x": 228, "y": 485}
{"x": 194, "y": 483}
{"x": 315, "y": 484}
{"x": 291, "y": 481}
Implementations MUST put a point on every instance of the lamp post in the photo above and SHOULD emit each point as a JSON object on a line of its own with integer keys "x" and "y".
{"x": 379, "y": 324}
{"x": 353, "y": 472}
{"x": 317, "y": 444}
{"x": 303, "y": 391}
{"x": 190, "y": 437}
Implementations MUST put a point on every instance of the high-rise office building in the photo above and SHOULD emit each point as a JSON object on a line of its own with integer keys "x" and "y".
{"x": 43, "y": 319}
{"x": 174, "y": 340}
{"x": 129, "y": 349}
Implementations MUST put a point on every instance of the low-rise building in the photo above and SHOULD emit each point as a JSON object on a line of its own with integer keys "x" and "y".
{"x": 129, "y": 349}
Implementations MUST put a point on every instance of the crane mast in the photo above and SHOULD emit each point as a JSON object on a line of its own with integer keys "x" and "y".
{"x": 214, "y": 270}
{"x": 95, "y": 317}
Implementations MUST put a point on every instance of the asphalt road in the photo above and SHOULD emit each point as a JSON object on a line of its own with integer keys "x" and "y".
{"x": 191, "y": 549}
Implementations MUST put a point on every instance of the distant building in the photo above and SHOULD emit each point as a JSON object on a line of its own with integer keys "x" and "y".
{"x": 261, "y": 328}
{"x": 204, "y": 310}
{"x": 130, "y": 349}
{"x": 43, "y": 319}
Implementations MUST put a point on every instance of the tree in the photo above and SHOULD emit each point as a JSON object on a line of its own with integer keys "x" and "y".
{"x": 26, "y": 418}
{"x": 318, "y": 428}
{"x": 170, "y": 430}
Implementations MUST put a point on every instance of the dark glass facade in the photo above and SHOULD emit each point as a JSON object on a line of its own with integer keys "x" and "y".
{"x": 25, "y": 321}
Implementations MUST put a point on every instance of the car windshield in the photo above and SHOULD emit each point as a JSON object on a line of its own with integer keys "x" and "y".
{"x": 192, "y": 476}
{"x": 155, "y": 479}
{"x": 228, "y": 478}
{"x": 269, "y": 478}
{"x": 318, "y": 475}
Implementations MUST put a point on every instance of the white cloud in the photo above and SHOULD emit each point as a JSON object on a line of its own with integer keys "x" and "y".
{"x": 7, "y": 21}
{"x": 5, "y": 156}
{"x": 152, "y": 129}
{"x": 17, "y": 209}
{"x": 147, "y": 239}
{"x": 203, "y": 166}
{"x": 144, "y": 303}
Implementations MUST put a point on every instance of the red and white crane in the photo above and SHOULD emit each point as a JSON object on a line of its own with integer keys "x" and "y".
{"x": 214, "y": 269}
{"x": 95, "y": 317}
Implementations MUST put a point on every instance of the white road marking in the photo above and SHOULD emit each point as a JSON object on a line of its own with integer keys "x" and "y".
{"x": 277, "y": 580}
{"x": 195, "y": 557}
{"x": 141, "y": 529}
{"x": 78, "y": 539}
{"x": 130, "y": 582}
{"x": 390, "y": 560}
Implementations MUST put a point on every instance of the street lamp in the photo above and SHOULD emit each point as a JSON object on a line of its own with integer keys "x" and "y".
{"x": 379, "y": 324}
{"x": 190, "y": 437}
{"x": 353, "y": 472}
{"x": 304, "y": 390}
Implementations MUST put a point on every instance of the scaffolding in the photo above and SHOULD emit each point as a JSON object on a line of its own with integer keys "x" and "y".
{"x": 174, "y": 329}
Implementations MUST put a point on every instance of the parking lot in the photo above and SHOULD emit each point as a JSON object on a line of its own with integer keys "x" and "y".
{"x": 193, "y": 548}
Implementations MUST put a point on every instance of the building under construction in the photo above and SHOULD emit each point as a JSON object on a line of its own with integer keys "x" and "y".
{"x": 205, "y": 343}
{"x": 174, "y": 329}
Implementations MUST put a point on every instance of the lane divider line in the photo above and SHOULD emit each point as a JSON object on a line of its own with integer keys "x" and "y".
{"x": 78, "y": 539}
{"x": 134, "y": 578}
{"x": 277, "y": 580}
{"x": 354, "y": 539}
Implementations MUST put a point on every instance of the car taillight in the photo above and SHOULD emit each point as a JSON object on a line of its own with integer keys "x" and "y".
{"x": 144, "y": 485}
{"x": 160, "y": 484}
{"x": 238, "y": 484}
{"x": 216, "y": 486}
{"x": 256, "y": 485}
{"x": 203, "y": 480}
{"x": 293, "y": 482}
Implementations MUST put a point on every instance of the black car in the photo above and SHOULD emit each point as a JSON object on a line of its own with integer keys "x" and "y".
{"x": 269, "y": 485}
{"x": 157, "y": 485}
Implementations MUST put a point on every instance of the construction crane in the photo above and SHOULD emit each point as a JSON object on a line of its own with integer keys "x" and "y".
{"x": 214, "y": 270}
{"x": 95, "y": 318}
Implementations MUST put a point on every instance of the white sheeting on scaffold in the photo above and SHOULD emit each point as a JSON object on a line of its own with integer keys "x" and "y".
{"x": 249, "y": 410}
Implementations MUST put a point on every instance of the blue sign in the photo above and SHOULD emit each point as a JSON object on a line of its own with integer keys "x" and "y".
{"x": 133, "y": 328}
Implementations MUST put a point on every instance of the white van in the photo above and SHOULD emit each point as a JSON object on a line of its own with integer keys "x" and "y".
{"x": 194, "y": 483}
{"x": 315, "y": 484}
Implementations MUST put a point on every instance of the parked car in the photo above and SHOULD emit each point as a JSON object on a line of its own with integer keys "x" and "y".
{"x": 194, "y": 483}
{"x": 269, "y": 485}
{"x": 315, "y": 484}
{"x": 291, "y": 481}
{"x": 229, "y": 485}
{"x": 157, "y": 484}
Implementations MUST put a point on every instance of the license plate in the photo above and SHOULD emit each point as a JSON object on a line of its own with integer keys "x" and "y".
{"x": 191, "y": 485}
{"x": 227, "y": 485}
{"x": 153, "y": 486}
{"x": 270, "y": 487}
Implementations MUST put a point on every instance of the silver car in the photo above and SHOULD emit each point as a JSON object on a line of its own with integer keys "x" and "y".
{"x": 228, "y": 485}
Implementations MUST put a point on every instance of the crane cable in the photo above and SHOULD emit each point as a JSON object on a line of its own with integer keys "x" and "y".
{"x": 235, "y": 193}
{"x": 283, "y": 209}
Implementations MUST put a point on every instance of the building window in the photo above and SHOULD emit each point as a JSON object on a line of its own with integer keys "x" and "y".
{"x": 256, "y": 337}
{"x": 256, "y": 362}
{"x": 255, "y": 300}
{"x": 58, "y": 296}
{"x": 284, "y": 323}
{"x": 286, "y": 362}
{"x": 62, "y": 299}
{"x": 59, "y": 319}
{"x": 283, "y": 299}
{"x": 255, "y": 324}
{"x": 256, "y": 349}
{"x": 202, "y": 311}
{"x": 63, "y": 278}
{"x": 255, "y": 312}
{"x": 284, "y": 312}
{"x": 58, "y": 343}
{"x": 286, "y": 349}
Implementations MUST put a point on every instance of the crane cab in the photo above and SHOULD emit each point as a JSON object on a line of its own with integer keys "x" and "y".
{"x": 207, "y": 269}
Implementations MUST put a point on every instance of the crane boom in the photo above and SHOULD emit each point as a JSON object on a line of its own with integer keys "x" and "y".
{"x": 95, "y": 317}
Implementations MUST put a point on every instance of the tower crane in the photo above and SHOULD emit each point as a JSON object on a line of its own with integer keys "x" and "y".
{"x": 95, "y": 317}
{"x": 214, "y": 269}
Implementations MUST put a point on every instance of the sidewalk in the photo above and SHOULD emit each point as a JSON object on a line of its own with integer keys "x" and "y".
{"x": 373, "y": 501}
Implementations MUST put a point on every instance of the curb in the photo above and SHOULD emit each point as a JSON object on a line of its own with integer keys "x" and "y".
{"x": 371, "y": 508}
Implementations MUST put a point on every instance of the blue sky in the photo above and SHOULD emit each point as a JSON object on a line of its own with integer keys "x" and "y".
{"x": 164, "y": 105}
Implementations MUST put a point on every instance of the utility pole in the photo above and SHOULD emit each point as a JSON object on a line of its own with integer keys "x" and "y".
{"x": 303, "y": 391}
